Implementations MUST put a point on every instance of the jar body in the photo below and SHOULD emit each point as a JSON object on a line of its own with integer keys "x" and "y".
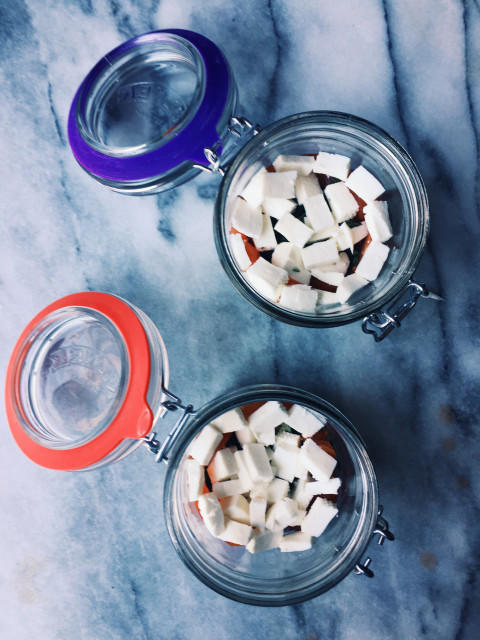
{"x": 274, "y": 578}
{"x": 364, "y": 143}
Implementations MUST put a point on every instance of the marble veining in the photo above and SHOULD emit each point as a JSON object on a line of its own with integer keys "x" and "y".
{"x": 87, "y": 556}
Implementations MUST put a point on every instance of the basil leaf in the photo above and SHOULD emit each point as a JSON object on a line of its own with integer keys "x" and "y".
{"x": 354, "y": 223}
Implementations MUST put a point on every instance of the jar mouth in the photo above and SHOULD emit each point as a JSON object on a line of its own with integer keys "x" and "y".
{"x": 274, "y": 578}
{"x": 364, "y": 143}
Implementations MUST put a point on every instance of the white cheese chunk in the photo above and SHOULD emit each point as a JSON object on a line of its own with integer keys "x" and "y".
{"x": 319, "y": 253}
{"x": 326, "y": 298}
{"x": 195, "y": 479}
{"x": 292, "y": 439}
{"x": 319, "y": 463}
{"x": 237, "y": 246}
{"x": 329, "y": 277}
{"x": 211, "y": 512}
{"x": 304, "y": 421}
{"x": 301, "y": 164}
{"x": 297, "y": 541}
{"x": 364, "y": 184}
{"x": 307, "y": 187}
{"x": 318, "y": 212}
{"x": 265, "y": 419}
{"x": 223, "y": 466}
{"x": 325, "y": 234}
{"x": 342, "y": 203}
{"x": 286, "y": 512}
{"x": 236, "y": 508}
{"x": 232, "y": 420}
{"x": 264, "y": 541}
{"x": 246, "y": 219}
{"x": 332, "y": 164}
{"x": 204, "y": 445}
{"x": 323, "y": 487}
{"x": 258, "y": 508}
{"x": 228, "y": 488}
{"x": 254, "y": 192}
{"x": 359, "y": 232}
{"x": 287, "y": 256}
{"x": 279, "y": 185}
{"x": 378, "y": 221}
{"x": 293, "y": 230}
{"x": 285, "y": 460}
{"x": 301, "y": 515}
{"x": 318, "y": 518}
{"x": 344, "y": 237}
{"x": 270, "y": 521}
{"x": 372, "y": 261}
{"x": 243, "y": 472}
{"x": 277, "y": 490}
{"x": 299, "y": 297}
{"x": 258, "y": 464}
{"x": 236, "y": 532}
{"x": 349, "y": 285}
{"x": 277, "y": 207}
{"x": 266, "y": 278}
{"x": 245, "y": 436}
{"x": 266, "y": 240}
{"x": 300, "y": 470}
{"x": 301, "y": 497}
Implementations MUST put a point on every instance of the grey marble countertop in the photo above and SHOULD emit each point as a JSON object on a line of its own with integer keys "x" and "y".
{"x": 87, "y": 556}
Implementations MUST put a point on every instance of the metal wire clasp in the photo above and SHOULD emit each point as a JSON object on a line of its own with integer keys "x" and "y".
{"x": 173, "y": 403}
{"x": 381, "y": 323}
{"x": 382, "y": 529}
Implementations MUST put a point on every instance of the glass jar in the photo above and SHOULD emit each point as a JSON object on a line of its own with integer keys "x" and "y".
{"x": 87, "y": 384}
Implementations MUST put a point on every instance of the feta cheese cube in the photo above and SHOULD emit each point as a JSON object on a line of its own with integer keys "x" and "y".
{"x": 325, "y": 234}
{"x": 228, "y": 488}
{"x": 299, "y": 297}
{"x": 319, "y": 463}
{"x": 291, "y": 439}
{"x": 326, "y": 298}
{"x": 372, "y": 261}
{"x": 270, "y": 522}
{"x": 204, "y": 445}
{"x": 301, "y": 164}
{"x": 318, "y": 518}
{"x": 245, "y": 436}
{"x": 223, "y": 466}
{"x": 293, "y": 230}
{"x": 329, "y": 277}
{"x": 266, "y": 240}
{"x": 304, "y": 421}
{"x": 263, "y": 421}
{"x": 301, "y": 497}
{"x": 232, "y": 420}
{"x": 300, "y": 470}
{"x": 364, "y": 184}
{"x": 236, "y": 508}
{"x": 297, "y": 541}
{"x": 246, "y": 219}
{"x": 236, "y": 532}
{"x": 378, "y": 221}
{"x": 287, "y": 256}
{"x": 211, "y": 512}
{"x": 349, "y": 285}
{"x": 286, "y": 512}
{"x": 266, "y": 278}
{"x": 359, "y": 232}
{"x": 277, "y": 207}
{"x": 285, "y": 460}
{"x": 258, "y": 464}
{"x": 253, "y": 192}
{"x": 195, "y": 479}
{"x": 332, "y": 164}
{"x": 264, "y": 541}
{"x": 277, "y": 490}
{"x": 323, "y": 487}
{"x": 258, "y": 508}
{"x": 318, "y": 212}
{"x": 342, "y": 203}
{"x": 307, "y": 187}
{"x": 339, "y": 266}
{"x": 279, "y": 185}
{"x": 243, "y": 472}
{"x": 319, "y": 253}
{"x": 240, "y": 254}
{"x": 344, "y": 237}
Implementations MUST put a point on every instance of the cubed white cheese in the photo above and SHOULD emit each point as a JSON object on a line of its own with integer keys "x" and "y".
{"x": 258, "y": 508}
{"x": 359, "y": 232}
{"x": 266, "y": 240}
{"x": 318, "y": 518}
{"x": 326, "y": 298}
{"x": 323, "y": 487}
{"x": 329, "y": 277}
{"x": 253, "y": 192}
{"x": 236, "y": 532}
{"x": 332, "y": 164}
{"x": 232, "y": 420}
{"x": 319, "y": 253}
{"x": 286, "y": 512}
{"x": 325, "y": 234}
{"x": 304, "y": 421}
{"x": 300, "y": 470}
{"x": 318, "y": 212}
{"x": 342, "y": 203}
{"x": 299, "y": 297}
{"x": 279, "y": 185}
{"x": 277, "y": 490}
{"x": 340, "y": 266}
{"x": 284, "y": 437}
{"x": 277, "y": 207}
{"x": 223, "y": 466}
{"x": 264, "y": 541}
{"x": 301, "y": 515}
{"x": 236, "y": 508}
{"x": 378, "y": 221}
{"x": 307, "y": 187}
{"x": 195, "y": 479}
{"x": 372, "y": 261}
{"x": 349, "y": 285}
{"x": 270, "y": 521}
{"x": 319, "y": 463}
{"x": 211, "y": 512}
{"x": 237, "y": 246}
{"x": 285, "y": 460}
{"x": 243, "y": 472}
{"x": 204, "y": 445}
{"x": 266, "y": 278}
{"x": 265, "y": 419}
{"x": 301, "y": 164}
{"x": 287, "y": 256}
{"x": 344, "y": 237}
{"x": 258, "y": 464}
{"x": 301, "y": 497}
{"x": 246, "y": 219}
{"x": 296, "y": 541}
{"x": 364, "y": 184}
{"x": 245, "y": 436}
{"x": 294, "y": 230}
{"x": 228, "y": 488}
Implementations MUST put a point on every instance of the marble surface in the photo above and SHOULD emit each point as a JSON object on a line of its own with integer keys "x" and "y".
{"x": 87, "y": 556}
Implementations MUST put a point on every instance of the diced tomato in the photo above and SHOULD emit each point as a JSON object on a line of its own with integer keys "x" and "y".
{"x": 248, "y": 409}
{"x": 252, "y": 252}
{"x": 291, "y": 281}
{"x": 360, "y": 216}
{"x": 271, "y": 168}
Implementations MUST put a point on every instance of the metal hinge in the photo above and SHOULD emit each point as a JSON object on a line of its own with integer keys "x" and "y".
{"x": 382, "y": 529}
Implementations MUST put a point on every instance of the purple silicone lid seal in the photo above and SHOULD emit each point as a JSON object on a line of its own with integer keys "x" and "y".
{"x": 187, "y": 146}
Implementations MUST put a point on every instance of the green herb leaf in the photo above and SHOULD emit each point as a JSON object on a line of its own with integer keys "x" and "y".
{"x": 354, "y": 223}
{"x": 299, "y": 211}
{"x": 296, "y": 269}
{"x": 284, "y": 428}
{"x": 334, "y": 180}
{"x": 354, "y": 259}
